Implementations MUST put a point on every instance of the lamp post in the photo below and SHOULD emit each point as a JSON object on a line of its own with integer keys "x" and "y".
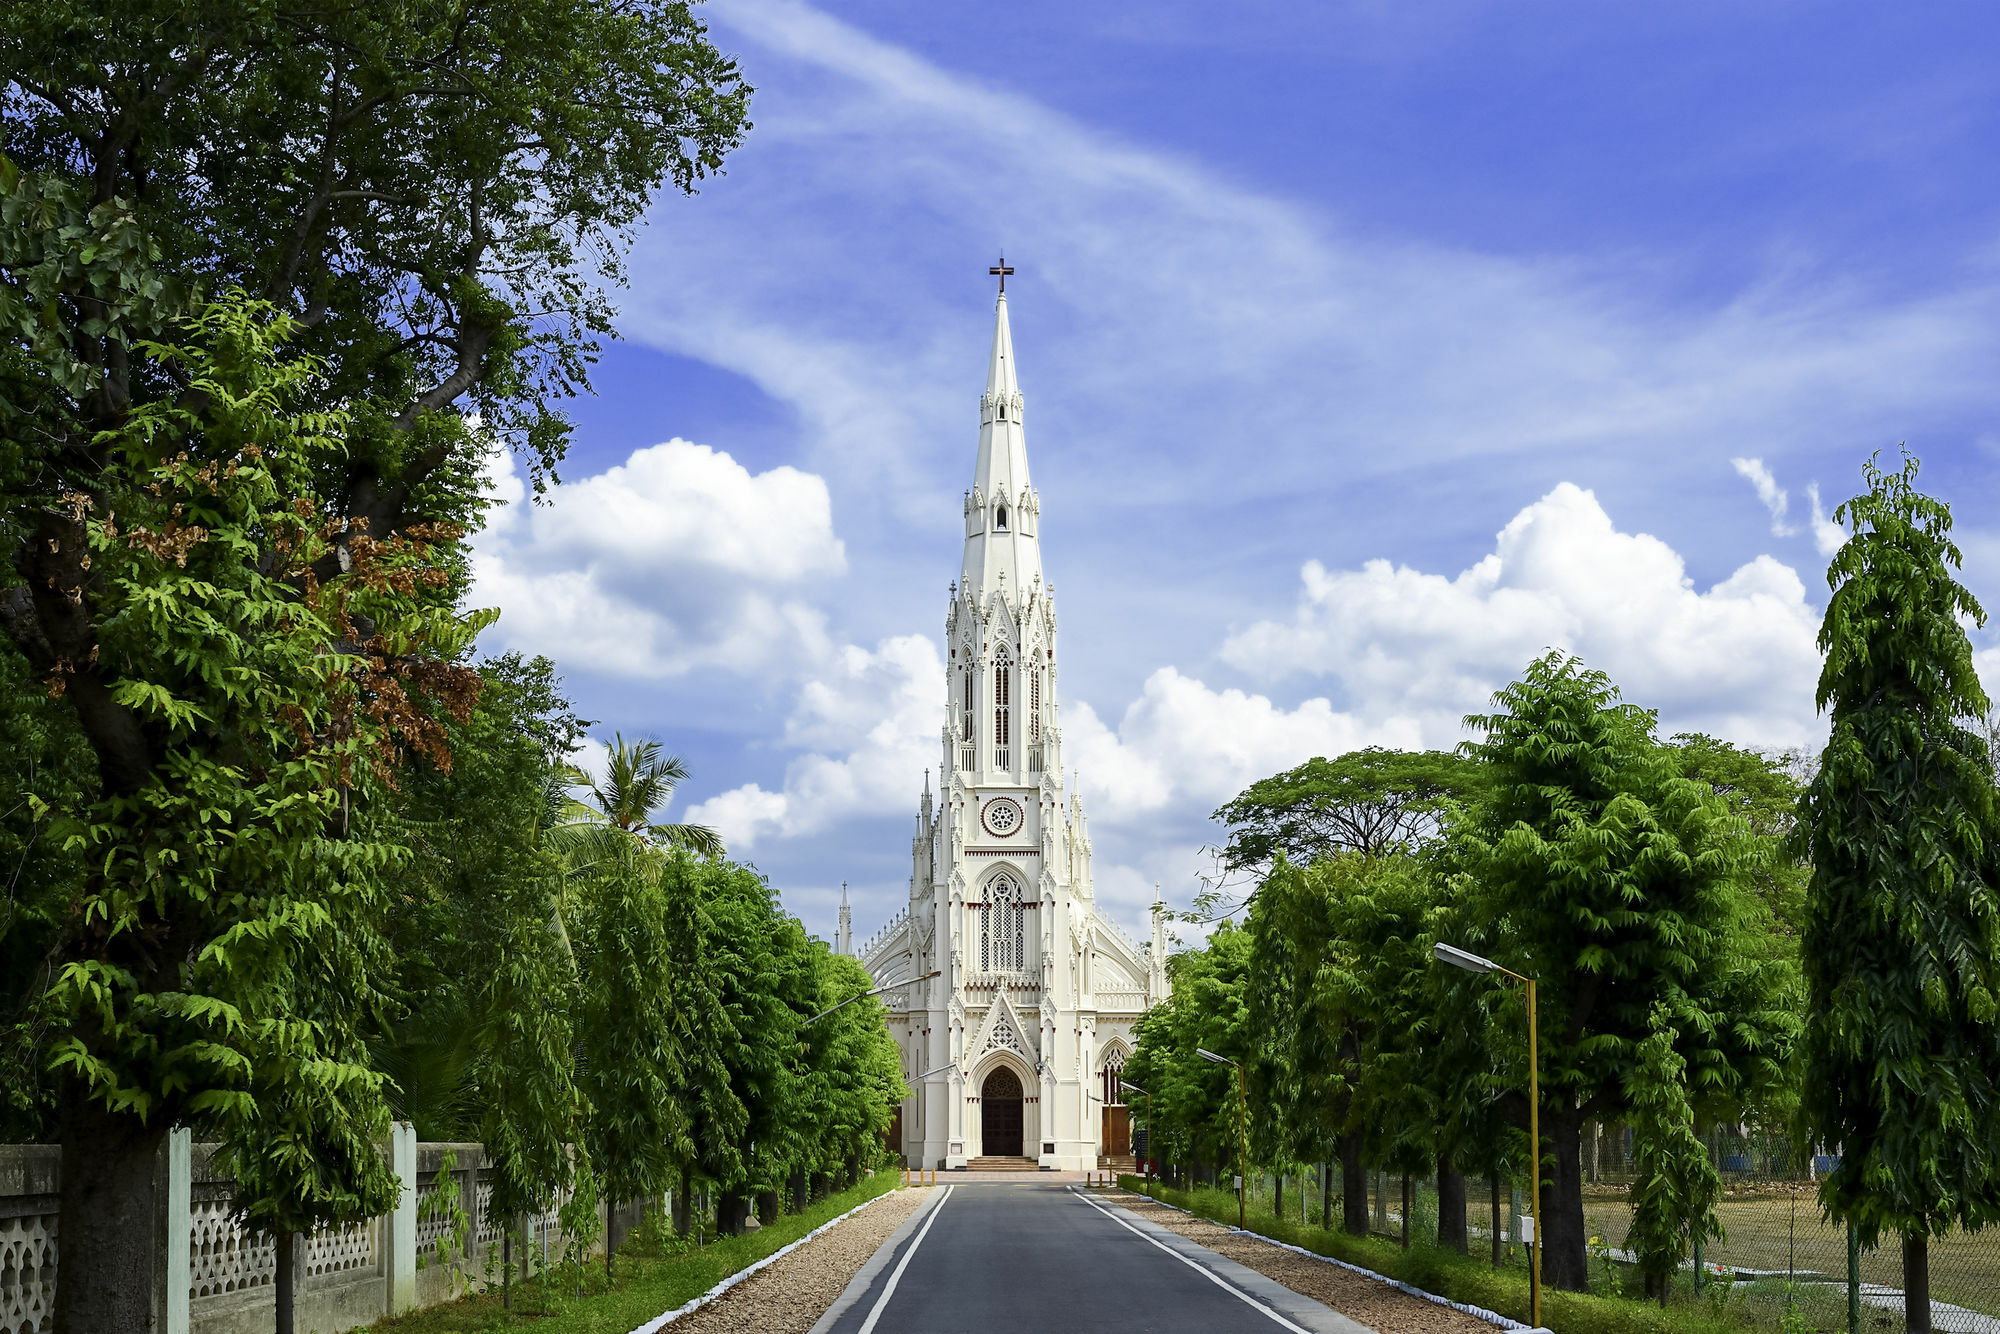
{"x": 1473, "y": 963}
{"x": 1242, "y": 1133}
{"x": 874, "y": 991}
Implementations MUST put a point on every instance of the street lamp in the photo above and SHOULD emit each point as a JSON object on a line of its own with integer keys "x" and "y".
{"x": 876, "y": 991}
{"x": 1473, "y": 963}
{"x": 1242, "y": 1133}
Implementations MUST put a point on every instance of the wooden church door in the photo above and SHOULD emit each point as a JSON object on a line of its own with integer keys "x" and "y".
{"x": 1000, "y": 1114}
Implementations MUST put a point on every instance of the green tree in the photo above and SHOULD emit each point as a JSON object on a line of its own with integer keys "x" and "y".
{"x": 1339, "y": 962}
{"x": 1192, "y": 1104}
{"x": 431, "y": 195}
{"x": 1902, "y": 935}
{"x": 218, "y": 962}
{"x": 1597, "y": 868}
{"x": 1675, "y": 1186}
{"x": 491, "y": 1008}
{"x": 1370, "y": 801}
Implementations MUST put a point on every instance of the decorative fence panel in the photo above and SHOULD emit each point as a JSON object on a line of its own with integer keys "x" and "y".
{"x": 346, "y": 1277}
{"x": 29, "y": 1215}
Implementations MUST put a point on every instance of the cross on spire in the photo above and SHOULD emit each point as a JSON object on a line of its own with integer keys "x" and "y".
{"x": 1001, "y": 271}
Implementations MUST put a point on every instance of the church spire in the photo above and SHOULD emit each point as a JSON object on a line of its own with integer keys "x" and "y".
{"x": 844, "y": 940}
{"x": 1002, "y": 511}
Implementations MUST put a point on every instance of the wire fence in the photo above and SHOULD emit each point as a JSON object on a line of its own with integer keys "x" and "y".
{"x": 1778, "y": 1253}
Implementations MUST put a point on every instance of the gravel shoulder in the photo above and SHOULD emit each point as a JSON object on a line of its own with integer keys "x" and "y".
{"x": 789, "y": 1296}
{"x": 1376, "y": 1305}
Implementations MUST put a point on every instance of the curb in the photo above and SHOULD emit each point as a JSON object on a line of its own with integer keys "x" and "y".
{"x": 660, "y": 1322}
{"x": 1476, "y": 1312}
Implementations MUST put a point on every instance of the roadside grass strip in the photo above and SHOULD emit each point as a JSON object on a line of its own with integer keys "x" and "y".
{"x": 658, "y": 1323}
{"x": 1488, "y": 1294}
{"x": 652, "y": 1290}
{"x": 1476, "y": 1312}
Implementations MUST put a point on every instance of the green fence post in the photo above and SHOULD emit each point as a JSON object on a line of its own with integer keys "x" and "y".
{"x": 1853, "y": 1279}
{"x": 1700, "y": 1270}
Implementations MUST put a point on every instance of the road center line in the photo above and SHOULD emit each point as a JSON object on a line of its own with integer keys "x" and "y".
{"x": 868, "y": 1325}
{"x": 1212, "y": 1277}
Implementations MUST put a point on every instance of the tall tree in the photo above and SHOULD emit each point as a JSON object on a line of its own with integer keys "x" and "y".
{"x": 1902, "y": 936}
{"x": 429, "y": 190}
{"x": 1191, "y": 1105}
{"x": 1618, "y": 883}
{"x": 219, "y": 960}
{"x": 1340, "y": 960}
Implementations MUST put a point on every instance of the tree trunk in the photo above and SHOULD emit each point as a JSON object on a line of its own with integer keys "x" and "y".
{"x": 1278, "y": 1195}
{"x": 1916, "y": 1284}
{"x": 1495, "y": 1179}
{"x": 1559, "y": 1209}
{"x": 730, "y": 1211}
{"x": 109, "y": 1247}
{"x": 1353, "y": 1188}
{"x": 767, "y": 1207}
{"x": 1326, "y": 1196}
{"x": 799, "y": 1187}
{"x": 284, "y": 1294}
{"x": 1406, "y": 1211}
{"x": 1451, "y": 1208}
{"x": 683, "y": 1200}
{"x": 507, "y": 1266}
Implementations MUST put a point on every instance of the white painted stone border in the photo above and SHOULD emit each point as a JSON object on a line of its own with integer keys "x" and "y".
{"x": 660, "y": 1322}
{"x": 1476, "y": 1312}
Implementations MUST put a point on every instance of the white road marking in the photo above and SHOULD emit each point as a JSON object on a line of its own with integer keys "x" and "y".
{"x": 1214, "y": 1278}
{"x": 868, "y": 1325}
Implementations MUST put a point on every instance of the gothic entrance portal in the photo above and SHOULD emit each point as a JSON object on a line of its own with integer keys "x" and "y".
{"x": 1000, "y": 1114}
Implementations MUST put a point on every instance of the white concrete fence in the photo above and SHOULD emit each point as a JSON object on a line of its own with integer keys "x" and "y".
{"x": 219, "y": 1277}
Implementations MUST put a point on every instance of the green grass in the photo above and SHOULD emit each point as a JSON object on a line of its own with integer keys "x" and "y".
{"x": 1723, "y": 1309}
{"x": 649, "y": 1283}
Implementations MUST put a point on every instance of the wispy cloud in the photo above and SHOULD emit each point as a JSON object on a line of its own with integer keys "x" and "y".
{"x": 1768, "y": 491}
{"x": 1828, "y": 536}
{"x": 1164, "y": 300}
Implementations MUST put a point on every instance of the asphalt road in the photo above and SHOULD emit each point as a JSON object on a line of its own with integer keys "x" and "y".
{"x": 986, "y": 1258}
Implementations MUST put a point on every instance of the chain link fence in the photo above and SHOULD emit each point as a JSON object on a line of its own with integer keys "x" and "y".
{"x": 1780, "y": 1264}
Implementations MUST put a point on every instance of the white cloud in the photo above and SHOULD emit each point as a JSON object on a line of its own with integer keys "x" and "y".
{"x": 1828, "y": 536}
{"x": 1738, "y": 659}
{"x": 1182, "y": 744}
{"x": 680, "y": 558}
{"x": 1768, "y": 491}
{"x": 869, "y": 722}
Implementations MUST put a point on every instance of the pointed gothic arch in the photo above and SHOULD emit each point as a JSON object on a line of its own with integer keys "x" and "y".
{"x": 1111, "y": 1061}
{"x": 1003, "y": 707}
{"x": 1003, "y": 928}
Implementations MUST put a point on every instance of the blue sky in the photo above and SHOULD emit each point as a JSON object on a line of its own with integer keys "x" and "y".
{"x": 1368, "y": 350}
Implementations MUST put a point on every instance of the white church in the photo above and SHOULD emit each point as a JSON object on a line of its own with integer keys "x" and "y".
{"x": 1014, "y": 1051}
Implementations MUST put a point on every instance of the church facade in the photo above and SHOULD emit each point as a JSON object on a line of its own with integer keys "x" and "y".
{"x": 1015, "y": 1049}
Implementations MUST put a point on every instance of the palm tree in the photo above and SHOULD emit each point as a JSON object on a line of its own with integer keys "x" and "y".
{"x": 638, "y": 780}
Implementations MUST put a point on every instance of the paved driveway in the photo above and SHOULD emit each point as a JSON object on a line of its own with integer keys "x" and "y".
{"x": 985, "y": 1258}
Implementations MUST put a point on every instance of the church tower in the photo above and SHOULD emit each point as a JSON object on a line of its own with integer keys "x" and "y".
{"x": 1014, "y": 1051}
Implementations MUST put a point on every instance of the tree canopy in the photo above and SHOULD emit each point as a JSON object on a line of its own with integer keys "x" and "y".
{"x": 1902, "y": 927}
{"x": 1364, "y": 801}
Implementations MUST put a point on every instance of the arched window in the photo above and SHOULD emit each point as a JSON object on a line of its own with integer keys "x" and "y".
{"x": 965, "y": 703}
{"x": 1003, "y": 933}
{"x": 1000, "y": 518}
{"x": 1114, "y": 1072}
{"x": 1035, "y": 704}
{"x": 1002, "y": 709}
